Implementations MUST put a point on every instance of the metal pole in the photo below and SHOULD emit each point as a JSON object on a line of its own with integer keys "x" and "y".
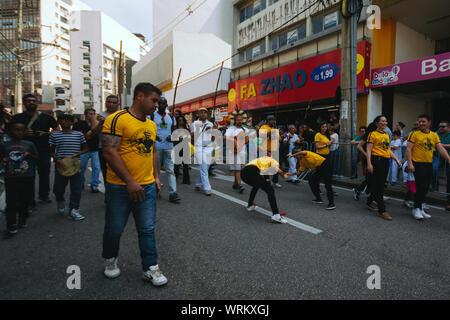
{"x": 120, "y": 76}
{"x": 19, "y": 74}
{"x": 175, "y": 92}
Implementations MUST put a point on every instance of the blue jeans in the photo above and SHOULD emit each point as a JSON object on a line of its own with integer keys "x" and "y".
{"x": 59, "y": 188}
{"x": 118, "y": 208}
{"x": 336, "y": 165}
{"x": 439, "y": 163}
{"x": 165, "y": 158}
{"x": 95, "y": 163}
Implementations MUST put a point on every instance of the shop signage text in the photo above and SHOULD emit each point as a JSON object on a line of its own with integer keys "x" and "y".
{"x": 412, "y": 71}
{"x": 310, "y": 79}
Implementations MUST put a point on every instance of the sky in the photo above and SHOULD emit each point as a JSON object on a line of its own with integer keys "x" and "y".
{"x": 135, "y": 15}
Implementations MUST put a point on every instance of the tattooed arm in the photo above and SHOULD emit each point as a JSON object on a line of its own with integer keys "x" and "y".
{"x": 110, "y": 146}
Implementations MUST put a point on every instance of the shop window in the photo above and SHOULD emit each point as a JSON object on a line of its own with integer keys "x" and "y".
{"x": 317, "y": 24}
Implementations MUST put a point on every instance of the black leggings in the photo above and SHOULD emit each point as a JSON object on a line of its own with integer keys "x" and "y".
{"x": 323, "y": 172}
{"x": 377, "y": 180}
{"x": 423, "y": 175}
{"x": 251, "y": 176}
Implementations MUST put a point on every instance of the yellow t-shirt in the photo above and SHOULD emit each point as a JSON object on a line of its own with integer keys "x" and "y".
{"x": 264, "y": 163}
{"x": 424, "y": 144}
{"x": 381, "y": 144}
{"x": 323, "y": 140}
{"x": 311, "y": 161}
{"x": 136, "y": 148}
{"x": 266, "y": 145}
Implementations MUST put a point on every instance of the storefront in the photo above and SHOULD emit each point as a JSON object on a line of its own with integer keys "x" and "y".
{"x": 219, "y": 113}
{"x": 304, "y": 91}
{"x": 414, "y": 87}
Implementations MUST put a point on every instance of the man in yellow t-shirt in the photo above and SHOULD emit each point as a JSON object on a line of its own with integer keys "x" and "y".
{"x": 419, "y": 153}
{"x": 128, "y": 145}
{"x": 320, "y": 166}
{"x": 268, "y": 144}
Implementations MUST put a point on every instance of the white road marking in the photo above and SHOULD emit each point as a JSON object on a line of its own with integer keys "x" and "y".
{"x": 293, "y": 223}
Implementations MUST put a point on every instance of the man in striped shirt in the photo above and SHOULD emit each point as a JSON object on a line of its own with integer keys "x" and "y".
{"x": 67, "y": 144}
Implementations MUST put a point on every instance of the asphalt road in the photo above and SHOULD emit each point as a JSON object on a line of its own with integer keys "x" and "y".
{"x": 212, "y": 248}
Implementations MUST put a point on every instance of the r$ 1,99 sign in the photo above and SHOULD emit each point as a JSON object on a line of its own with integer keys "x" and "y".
{"x": 325, "y": 72}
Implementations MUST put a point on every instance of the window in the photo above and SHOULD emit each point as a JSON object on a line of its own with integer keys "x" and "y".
{"x": 330, "y": 20}
{"x": 87, "y": 44}
{"x": 87, "y": 105}
{"x": 64, "y": 81}
{"x": 64, "y": 20}
{"x": 292, "y": 36}
{"x": 252, "y": 9}
{"x": 317, "y": 24}
{"x": 65, "y": 62}
{"x": 259, "y": 5}
{"x": 272, "y": 2}
{"x": 87, "y": 67}
{"x": 274, "y": 43}
{"x": 301, "y": 32}
{"x": 64, "y": 30}
{"x": 282, "y": 40}
{"x": 60, "y": 102}
{"x": 87, "y": 80}
{"x": 87, "y": 93}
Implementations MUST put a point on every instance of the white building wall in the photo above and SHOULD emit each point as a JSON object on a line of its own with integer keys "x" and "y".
{"x": 214, "y": 16}
{"x": 407, "y": 108}
{"x": 374, "y": 105}
{"x": 412, "y": 45}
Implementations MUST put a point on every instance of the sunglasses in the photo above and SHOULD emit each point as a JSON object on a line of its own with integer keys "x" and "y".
{"x": 442, "y": 126}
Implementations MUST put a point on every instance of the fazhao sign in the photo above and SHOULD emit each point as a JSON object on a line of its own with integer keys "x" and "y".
{"x": 315, "y": 78}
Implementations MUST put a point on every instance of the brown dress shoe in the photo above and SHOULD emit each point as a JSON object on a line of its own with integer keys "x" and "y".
{"x": 371, "y": 206}
{"x": 386, "y": 216}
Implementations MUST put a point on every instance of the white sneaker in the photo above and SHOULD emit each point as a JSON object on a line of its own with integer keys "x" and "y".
{"x": 408, "y": 204}
{"x": 424, "y": 214}
{"x": 154, "y": 275}
{"x": 278, "y": 218}
{"x": 61, "y": 208}
{"x": 75, "y": 215}
{"x": 425, "y": 206}
{"x": 417, "y": 214}
{"x": 111, "y": 269}
{"x": 276, "y": 185}
{"x": 252, "y": 208}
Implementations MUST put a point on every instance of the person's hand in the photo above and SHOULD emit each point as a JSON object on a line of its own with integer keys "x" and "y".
{"x": 169, "y": 139}
{"x": 29, "y": 132}
{"x": 285, "y": 175}
{"x": 5, "y": 159}
{"x": 135, "y": 191}
{"x": 26, "y": 154}
{"x": 216, "y": 125}
{"x": 158, "y": 187}
{"x": 289, "y": 155}
{"x": 60, "y": 164}
{"x": 411, "y": 168}
{"x": 399, "y": 164}
{"x": 370, "y": 168}
{"x": 158, "y": 139}
{"x": 100, "y": 118}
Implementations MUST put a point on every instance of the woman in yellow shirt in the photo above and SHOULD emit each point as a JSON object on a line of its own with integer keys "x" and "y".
{"x": 253, "y": 175}
{"x": 419, "y": 153}
{"x": 319, "y": 165}
{"x": 378, "y": 154}
{"x": 323, "y": 140}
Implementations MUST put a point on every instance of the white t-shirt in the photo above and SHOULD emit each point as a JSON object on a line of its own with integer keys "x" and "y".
{"x": 398, "y": 152}
{"x": 233, "y": 132}
{"x": 205, "y": 136}
{"x": 291, "y": 141}
{"x": 335, "y": 145}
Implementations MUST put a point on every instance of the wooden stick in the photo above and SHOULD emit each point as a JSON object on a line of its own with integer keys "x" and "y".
{"x": 120, "y": 76}
{"x": 175, "y": 93}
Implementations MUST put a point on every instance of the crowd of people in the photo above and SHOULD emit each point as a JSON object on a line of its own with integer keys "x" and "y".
{"x": 129, "y": 147}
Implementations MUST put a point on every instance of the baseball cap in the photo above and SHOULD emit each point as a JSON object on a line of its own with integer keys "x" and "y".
{"x": 203, "y": 109}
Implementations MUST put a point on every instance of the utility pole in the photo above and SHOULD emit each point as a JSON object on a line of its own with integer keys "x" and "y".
{"x": 350, "y": 12}
{"x": 18, "y": 50}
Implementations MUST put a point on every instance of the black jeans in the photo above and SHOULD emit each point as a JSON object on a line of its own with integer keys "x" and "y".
{"x": 18, "y": 197}
{"x": 43, "y": 168}
{"x": 423, "y": 175}
{"x": 324, "y": 172}
{"x": 251, "y": 176}
{"x": 377, "y": 180}
{"x": 186, "y": 178}
{"x": 59, "y": 188}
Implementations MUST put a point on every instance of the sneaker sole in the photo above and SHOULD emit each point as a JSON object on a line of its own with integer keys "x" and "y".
{"x": 332, "y": 208}
{"x": 145, "y": 278}
{"x": 75, "y": 219}
{"x": 277, "y": 221}
{"x": 112, "y": 277}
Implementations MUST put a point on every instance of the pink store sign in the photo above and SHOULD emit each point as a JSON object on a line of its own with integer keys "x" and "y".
{"x": 412, "y": 71}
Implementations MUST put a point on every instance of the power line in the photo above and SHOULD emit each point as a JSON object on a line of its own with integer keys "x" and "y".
{"x": 278, "y": 28}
